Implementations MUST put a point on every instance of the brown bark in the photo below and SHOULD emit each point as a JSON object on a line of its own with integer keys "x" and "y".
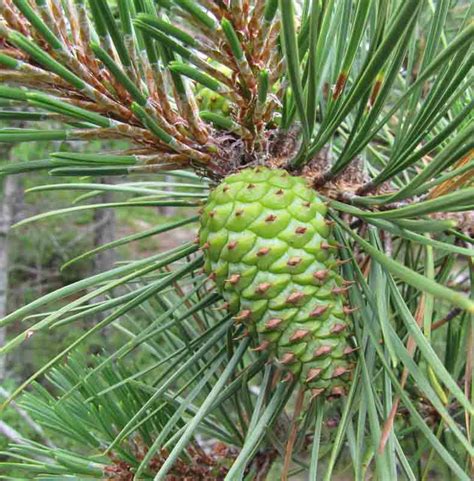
{"x": 10, "y": 199}
{"x": 168, "y": 210}
{"x": 104, "y": 232}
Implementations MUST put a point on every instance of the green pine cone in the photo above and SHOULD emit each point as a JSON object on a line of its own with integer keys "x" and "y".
{"x": 268, "y": 245}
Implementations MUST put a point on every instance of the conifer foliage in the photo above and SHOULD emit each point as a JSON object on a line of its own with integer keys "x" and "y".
{"x": 323, "y": 319}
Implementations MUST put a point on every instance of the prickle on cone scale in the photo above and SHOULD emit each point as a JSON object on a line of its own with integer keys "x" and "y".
{"x": 269, "y": 247}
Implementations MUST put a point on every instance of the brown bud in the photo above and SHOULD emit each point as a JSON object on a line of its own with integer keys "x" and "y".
{"x": 307, "y": 204}
{"x": 251, "y": 186}
{"x": 294, "y": 261}
{"x": 321, "y": 275}
{"x": 233, "y": 279}
{"x": 337, "y": 391}
{"x": 349, "y": 310}
{"x": 339, "y": 371}
{"x": 263, "y": 287}
{"x": 322, "y": 351}
{"x": 212, "y": 276}
{"x": 232, "y": 245}
{"x": 239, "y": 212}
{"x": 270, "y": 218}
{"x": 243, "y": 315}
{"x": 273, "y": 323}
{"x": 261, "y": 347}
{"x": 313, "y": 373}
{"x": 316, "y": 392}
{"x": 301, "y": 230}
{"x": 340, "y": 290}
{"x": 341, "y": 262}
{"x": 205, "y": 246}
{"x": 279, "y": 192}
{"x": 349, "y": 350}
{"x": 224, "y": 307}
{"x": 287, "y": 358}
{"x": 319, "y": 311}
{"x": 299, "y": 334}
{"x": 288, "y": 377}
{"x": 242, "y": 336}
{"x": 225, "y": 188}
{"x": 348, "y": 283}
{"x": 263, "y": 251}
{"x": 295, "y": 297}
{"x": 337, "y": 328}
